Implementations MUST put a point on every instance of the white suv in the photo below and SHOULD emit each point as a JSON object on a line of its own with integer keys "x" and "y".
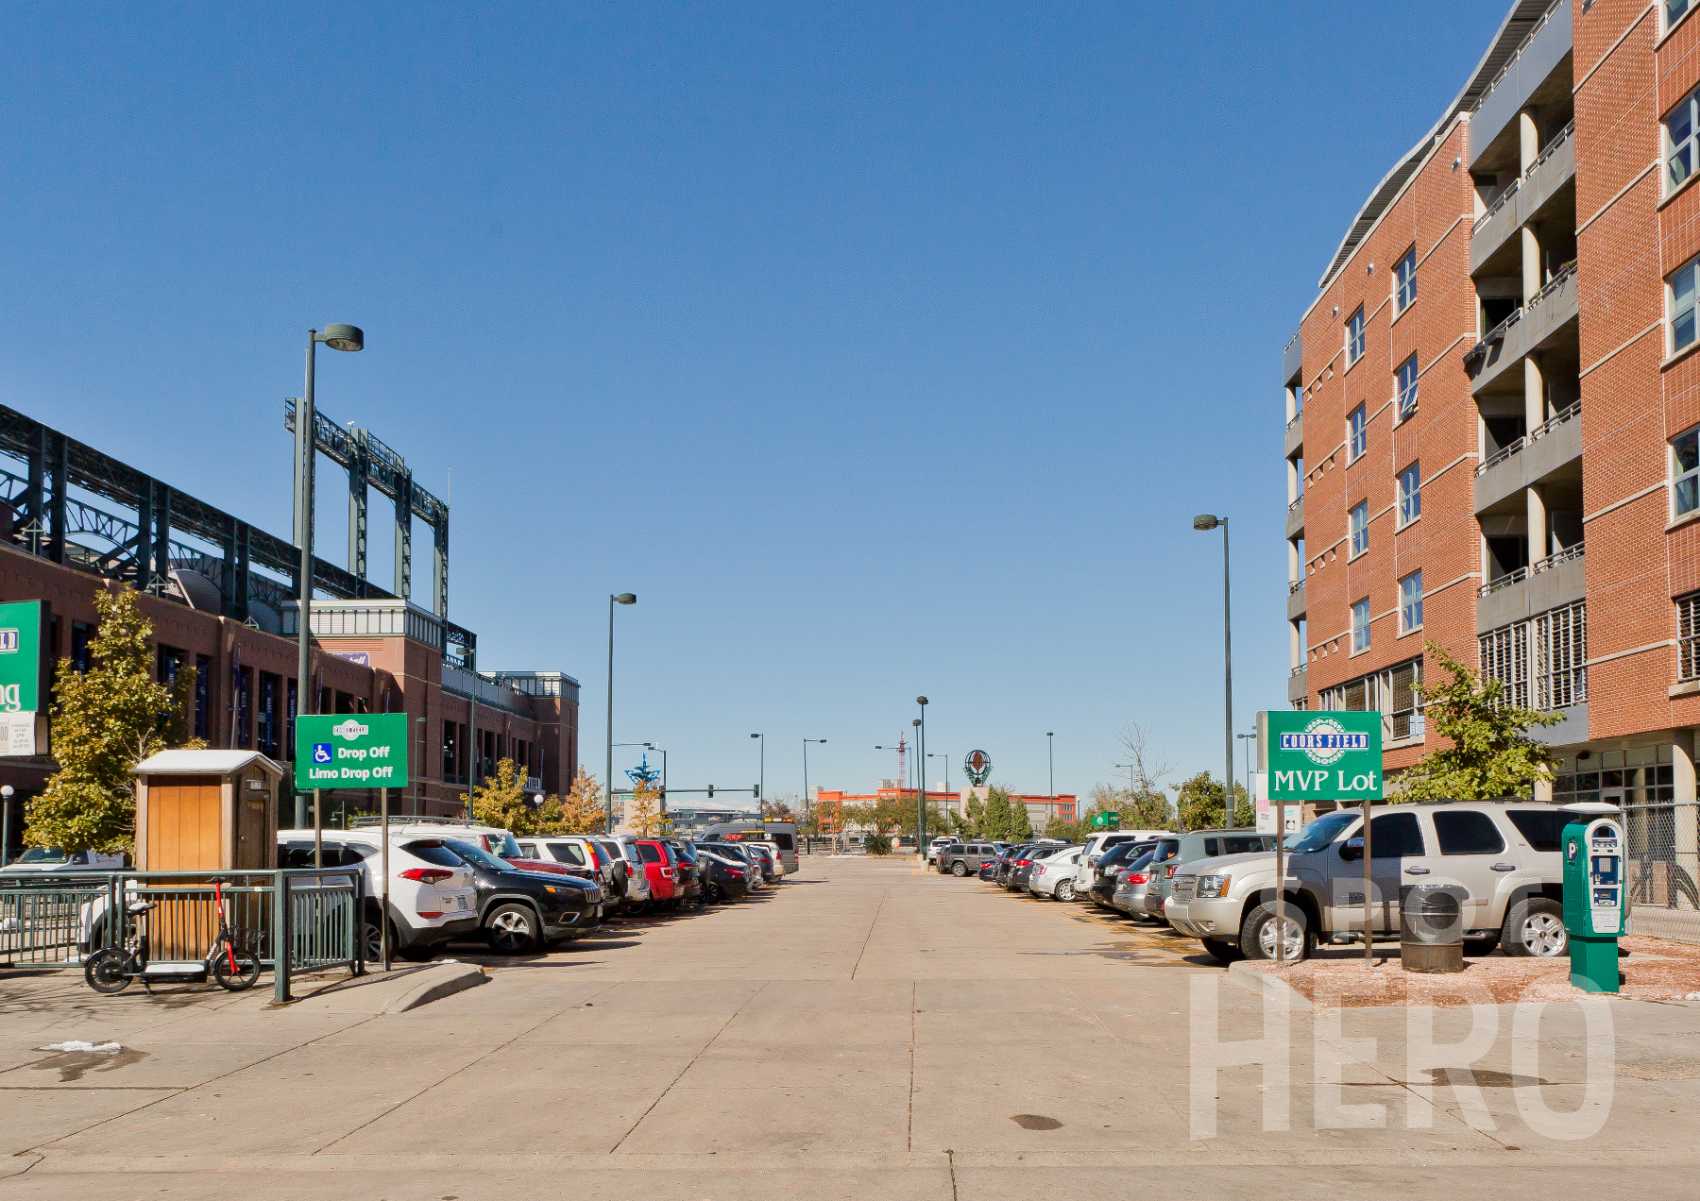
{"x": 432, "y": 899}
{"x": 1086, "y": 871}
{"x": 580, "y": 850}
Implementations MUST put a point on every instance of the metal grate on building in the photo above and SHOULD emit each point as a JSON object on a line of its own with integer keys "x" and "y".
{"x": 1688, "y": 637}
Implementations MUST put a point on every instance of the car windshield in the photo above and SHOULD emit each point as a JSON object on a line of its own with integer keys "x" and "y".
{"x": 43, "y": 855}
{"x": 476, "y": 855}
{"x": 503, "y": 844}
{"x": 1140, "y": 862}
{"x": 1323, "y": 831}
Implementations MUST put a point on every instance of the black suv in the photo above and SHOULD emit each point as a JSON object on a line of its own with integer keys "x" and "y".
{"x": 521, "y": 911}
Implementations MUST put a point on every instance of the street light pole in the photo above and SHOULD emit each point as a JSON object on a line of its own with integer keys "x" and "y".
{"x": 337, "y": 337}
{"x": 761, "y": 779}
{"x": 921, "y": 796}
{"x": 1205, "y": 522}
{"x": 806, "y": 798}
{"x": 1051, "y": 755}
{"x": 1247, "y": 739}
{"x": 622, "y": 598}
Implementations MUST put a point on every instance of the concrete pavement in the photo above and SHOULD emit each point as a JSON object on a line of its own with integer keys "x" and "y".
{"x": 864, "y": 1030}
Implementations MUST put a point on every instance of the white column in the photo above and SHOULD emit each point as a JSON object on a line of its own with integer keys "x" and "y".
{"x": 1539, "y": 546}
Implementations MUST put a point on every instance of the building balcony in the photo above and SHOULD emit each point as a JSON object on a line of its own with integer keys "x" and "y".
{"x": 1295, "y": 518}
{"x": 1549, "y": 316}
{"x": 1551, "y": 177}
{"x": 1536, "y": 456}
{"x": 1292, "y": 360}
{"x": 1542, "y": 51}
{"x": 1298, "y": 684}
{"x": 1548, "y": 583}
{"x": 1295, "y": 600}
{"x": 1295, "y": 439}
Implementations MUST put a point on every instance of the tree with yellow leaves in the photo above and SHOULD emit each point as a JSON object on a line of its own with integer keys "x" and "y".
{"x": 643, "y": 812}
{"x": 501, "y": 801}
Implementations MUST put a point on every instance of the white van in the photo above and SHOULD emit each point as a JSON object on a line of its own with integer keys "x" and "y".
{"x": 1086, "y": 872}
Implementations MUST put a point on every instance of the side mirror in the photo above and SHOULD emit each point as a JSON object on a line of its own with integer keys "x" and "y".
{"x": 1352, "y": 849}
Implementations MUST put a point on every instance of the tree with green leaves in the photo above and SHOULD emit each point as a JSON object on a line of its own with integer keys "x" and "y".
{"x": 1020, "y": 824}
{"x": 106, "y": 720}
{"x": 1201, "y": 807}
{"x": 501, "y": 800}
{"x": 1490, "y": 753}
{"x": 996, "y": 817}
{"x": 973, "y": 822}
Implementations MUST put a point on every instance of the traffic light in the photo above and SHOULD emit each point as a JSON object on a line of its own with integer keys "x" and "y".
{"x": 757, "y": 790}
{"x": 711, "y": 792}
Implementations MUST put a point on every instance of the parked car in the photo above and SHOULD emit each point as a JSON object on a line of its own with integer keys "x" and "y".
{"x": 638, "y": 893}
{"x": 689, "y": 878}
{"x": 51, "y": 861}
{"x": 433, "y": 895}
{"x": 583, "y": 852}
{"x": 1108, "y": 870}
{"x": 1006, "y": 862}
{"x": 1022, "y": 868}
{"x": 741, "y": 855}
{"x": 1504, "y": 855}
{"x": 1193, "y": 846}
{"x": 521, "y": 911}
{"x": 1098, "y": 846}
{"x": 775, "y": 856}
{"x": 1132, "y": 883}
{"x": 936, "y": 845}
{"x": 957, "y": 858}
{"x": 661, "y": 868}
{"x": 1053, "y": 876}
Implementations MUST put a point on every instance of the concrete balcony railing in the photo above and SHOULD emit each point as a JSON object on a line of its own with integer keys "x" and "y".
{"x": 1549, "y": 315}
{"x": 1295, "y": 518}
{"x": 1295, "y": 438}
{"x": 1545, "y": 450}
{"x": 1546, "y": 178}
{"x": 1292, "y": 360}
{"x": 1543, "y": 48}
{"x": 1548, "y": 583}
{"x": 1298, "y": 684}
{"x": 1295, "y": 600}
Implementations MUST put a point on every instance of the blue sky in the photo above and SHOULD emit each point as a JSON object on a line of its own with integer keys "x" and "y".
{"x": 879, "y": 351}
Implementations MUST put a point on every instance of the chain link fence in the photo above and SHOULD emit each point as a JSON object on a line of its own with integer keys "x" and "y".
{"x": 1663, "y": 865}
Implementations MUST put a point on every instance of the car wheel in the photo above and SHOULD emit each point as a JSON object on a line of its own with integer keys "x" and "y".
{"x": 1257, "y": 934}
{"x": 1222, "y": 952}
{"x": 959, "y": 868}
{"x": 1064, "y": 890}
{"x": 373, "y": 940}
{"x": 511, "y": 929}
{"x": 1535, "y": 928}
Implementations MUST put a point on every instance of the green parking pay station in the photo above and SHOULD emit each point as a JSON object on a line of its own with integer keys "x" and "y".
{"x": 1596, "y": 912}
{"x": 1326, "y": 755}
{"x": 353, "y": 750}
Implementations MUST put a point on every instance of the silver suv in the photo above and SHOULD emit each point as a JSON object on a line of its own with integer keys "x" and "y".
{"x": 1503, "y": 854}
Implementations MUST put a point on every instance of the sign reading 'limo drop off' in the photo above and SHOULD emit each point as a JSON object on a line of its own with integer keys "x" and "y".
{"x": 1324, "y": 756}
{"x": 351, "y": 750}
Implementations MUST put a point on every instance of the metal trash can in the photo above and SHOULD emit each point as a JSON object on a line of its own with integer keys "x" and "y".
{"x": 1431, "y": 928}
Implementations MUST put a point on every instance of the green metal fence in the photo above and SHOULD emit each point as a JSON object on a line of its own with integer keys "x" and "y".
{"x": 311, "y": 914}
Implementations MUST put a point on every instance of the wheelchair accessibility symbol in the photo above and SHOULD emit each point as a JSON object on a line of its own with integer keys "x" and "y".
{"x": 321, "y": 752}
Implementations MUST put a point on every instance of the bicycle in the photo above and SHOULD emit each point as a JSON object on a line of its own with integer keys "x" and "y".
{"x": 230, "y": 960}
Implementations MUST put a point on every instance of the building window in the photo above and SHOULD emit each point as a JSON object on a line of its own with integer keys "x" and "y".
{"x": 1679, "y": 304}
{"x": 270, "y": 733}
{"x": 1688, "y": 637}
{"x": 1505, "y": 659}
{"x": 1357, "y": 434}
{"x": 203, "y": 697}
{"x": 82, "y": 656}
{"x": 1675, "y": 10}
{"x": 244, "y": 682}
{"x": 1542, "y": 662}
{"x": 1685, "y": 472}
{"x": 1405, "y": 389}
{"x": 1411, "y": 603}
{"x": 1360, "y": 625}
{"x": 1355, "y": 336}
{"x": 1405, "y": 281}
{"x": 1410, "y": 494}
{"x": 289, "y": 721}
{"x": 1680, "y": 142}
{"x": 1360, "y": 528}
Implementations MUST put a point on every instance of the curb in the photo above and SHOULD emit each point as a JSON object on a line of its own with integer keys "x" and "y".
{"x": 435, "y": 983}
{"x": 1266, "y": 982}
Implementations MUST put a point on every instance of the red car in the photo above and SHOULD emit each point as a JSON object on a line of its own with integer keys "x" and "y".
{"x": 660, "y": 868}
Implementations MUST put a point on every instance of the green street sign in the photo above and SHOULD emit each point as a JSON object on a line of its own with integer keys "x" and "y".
{"x": 1326, "y": 756}
{"x": 20, "y": 657}
{"x": 351, "y": 750}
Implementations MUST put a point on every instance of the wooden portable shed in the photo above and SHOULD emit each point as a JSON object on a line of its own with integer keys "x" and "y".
{"x": 206, "y": 810}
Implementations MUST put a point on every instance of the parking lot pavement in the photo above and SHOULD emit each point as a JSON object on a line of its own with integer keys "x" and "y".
{"x": 867, "y": 1029}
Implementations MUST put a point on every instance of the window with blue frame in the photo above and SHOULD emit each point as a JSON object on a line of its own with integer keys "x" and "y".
{"x": 1360, "y": 625}
{"x": 1411, "y": 602}
{"x": 1357, "y": 434}
{"x": 1360, "y": 528}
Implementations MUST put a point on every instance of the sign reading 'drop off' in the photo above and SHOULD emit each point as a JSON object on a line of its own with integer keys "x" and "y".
{"x": 1330, "y": 756}
{"x": 351, "y": 750}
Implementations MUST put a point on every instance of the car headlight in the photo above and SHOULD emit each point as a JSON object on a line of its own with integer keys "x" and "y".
{"x": 1213, "y": 885}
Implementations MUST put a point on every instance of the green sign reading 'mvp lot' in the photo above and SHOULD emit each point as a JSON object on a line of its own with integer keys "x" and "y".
{"x": 1327, "y": 756}
{"x": 351, "y": 750}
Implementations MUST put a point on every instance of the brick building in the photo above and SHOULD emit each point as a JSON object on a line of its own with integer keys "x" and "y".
{"x": 74, "y": 520}
{"x": 1492, "y": 413}
{"x": 1041, "y": 809}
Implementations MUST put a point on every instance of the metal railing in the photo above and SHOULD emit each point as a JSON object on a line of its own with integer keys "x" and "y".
{"x": 1497, "y": 203}
{"x": 1547, "y": 151}
{"x": 1505, "y": 69}
{"x": 1568, "y": 555}
{"x": 1569, "y": 413}
{"x": 57, "y": 921}
{"x": 1504, "y": 581}
{"x": 1662, "y": 868}
{"x": 1295, "y": 418}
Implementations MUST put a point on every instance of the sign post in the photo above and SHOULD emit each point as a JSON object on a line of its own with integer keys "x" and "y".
{"x": 20, "y": 676}
{"x": 1323, "y": 756}
{"x": 354, "y": 750}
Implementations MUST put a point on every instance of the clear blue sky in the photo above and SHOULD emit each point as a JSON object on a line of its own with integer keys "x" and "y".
{"x": 880, "y": 351}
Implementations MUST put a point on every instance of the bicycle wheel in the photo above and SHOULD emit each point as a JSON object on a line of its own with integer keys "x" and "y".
{"x": 104, "y": 971}
{"x": 240, "y": 978}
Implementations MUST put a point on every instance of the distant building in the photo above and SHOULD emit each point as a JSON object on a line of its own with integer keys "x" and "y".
{"x": 1042, "y": 808}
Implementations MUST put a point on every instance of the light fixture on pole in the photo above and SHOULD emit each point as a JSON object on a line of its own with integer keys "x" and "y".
{"x": 806, "y": 806}
{"x": 1204, "y": 523}
{"x": 921, "y": 795}
{"x": 620, "y": 598}
{"x": 338, "y": 337}
{"x": 761, "y": 778}
{"x": 1248, "y": 739}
